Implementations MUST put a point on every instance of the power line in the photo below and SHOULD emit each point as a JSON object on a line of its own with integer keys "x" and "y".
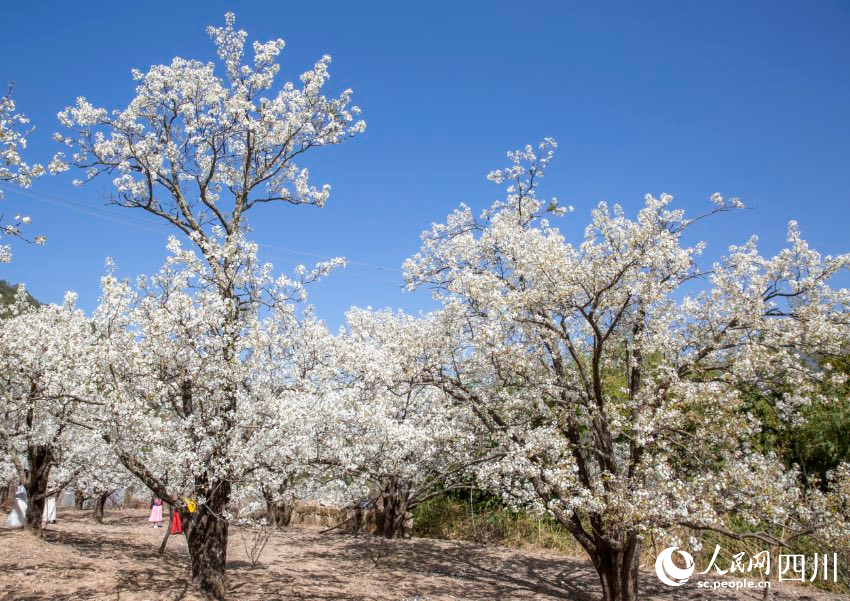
{"x": 84, "y": 209}
{"x": 318, "y": 256}
{"x": 151, "y": 226}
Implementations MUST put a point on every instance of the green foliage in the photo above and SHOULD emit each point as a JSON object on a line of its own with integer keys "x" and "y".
{"x": 8, "y": 292}
{"x": 483, "y": 519}
{"x": 822, "y": 441}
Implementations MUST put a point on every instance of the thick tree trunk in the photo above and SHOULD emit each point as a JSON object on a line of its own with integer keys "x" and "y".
{"x": 40, "y": 461}
{"x": 278, "y": 515}
{"x": 392, "y": 516}
{"x": 207, "y": 541}
{"x": 618, "y": 570}
{"x": 99, "y": 506}
{"x": 6, "y": 492}
{"x": 35, "y": 510}
{"x": 79, "y": 499}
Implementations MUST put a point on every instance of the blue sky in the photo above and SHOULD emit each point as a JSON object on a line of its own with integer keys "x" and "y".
{"x": 746, "y": 98}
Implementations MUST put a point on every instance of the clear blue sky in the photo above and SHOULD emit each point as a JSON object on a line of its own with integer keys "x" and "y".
{"x": 745, "y": 98}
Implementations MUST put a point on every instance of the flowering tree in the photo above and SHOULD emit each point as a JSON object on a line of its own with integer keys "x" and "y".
{"x": 610, "y": 371}
{"x": 13, "y": 169}
{"x": 196, "y": 385}
{"x": 45, "y": 366}
{"x": 199, "y": 150}
{"x": 96, "y": 472}
{"x": 298, "y": 373}
{"x": 402, "y": 440}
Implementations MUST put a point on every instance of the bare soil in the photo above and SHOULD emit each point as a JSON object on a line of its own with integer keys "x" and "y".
{"x": 117, "y": 560}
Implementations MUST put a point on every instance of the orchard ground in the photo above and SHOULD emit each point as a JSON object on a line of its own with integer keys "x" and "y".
{"x": 118, "y": 560}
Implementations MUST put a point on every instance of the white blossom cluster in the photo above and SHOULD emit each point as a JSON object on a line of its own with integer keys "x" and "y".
{"x": 13, "y": 140}
{"x": 14, "y": 128}
{"x": 601, "y": 376}
{"x": 402, "y": 440}
{"x": 49, "y": 392}
{"x": 610, "y": 372}
{"x": 198, "y": 149}
{"x": 201, "y": 387}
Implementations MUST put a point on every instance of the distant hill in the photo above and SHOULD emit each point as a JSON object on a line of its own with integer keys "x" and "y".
{"x": 8, "y": 292}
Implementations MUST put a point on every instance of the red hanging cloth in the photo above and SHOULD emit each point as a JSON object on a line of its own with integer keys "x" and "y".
{"x": 176, "y": 524}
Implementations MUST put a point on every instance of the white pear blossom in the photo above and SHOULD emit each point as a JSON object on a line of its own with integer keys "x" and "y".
{"x": 208, "y": 393}
{"x": 404, "y": 440}
{"x": 14, "y": 129}
{"x": 610, "y": 371}
{"x": 49, "y": 389}
{"x": 199, "y": 149}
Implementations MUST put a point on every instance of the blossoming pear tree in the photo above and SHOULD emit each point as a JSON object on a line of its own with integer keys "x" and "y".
{"x": 46, "y": 366}
{"x": 610, "y": 370}
{"x": 299, "y": 411}
{"x": 403, "y": 441}
{"x": 94, "y": 471}
{"x": 194, "y": 381}
{"x": 200, "y": 149}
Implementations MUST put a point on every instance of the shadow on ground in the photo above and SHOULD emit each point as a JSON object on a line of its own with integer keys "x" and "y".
{"x": 119, "y": 560}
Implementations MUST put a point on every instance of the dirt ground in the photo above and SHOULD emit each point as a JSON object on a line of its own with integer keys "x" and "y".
{"x": 118, "y": 560}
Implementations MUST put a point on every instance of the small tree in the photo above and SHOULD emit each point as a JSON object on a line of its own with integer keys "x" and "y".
{"x": 97, "y": 473}
{"x": 297, "y": 375}
{"x": 609, "y": 371}
{"x": 45, "y": 367}
{"x": 402, "y": 440}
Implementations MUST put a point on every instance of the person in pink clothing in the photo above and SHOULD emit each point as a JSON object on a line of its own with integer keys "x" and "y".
{"x": 156, "y": 512}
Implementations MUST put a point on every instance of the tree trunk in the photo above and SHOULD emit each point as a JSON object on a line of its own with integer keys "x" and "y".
{"x": 278, "y": 515}
{"x": 99, "y": 506}
{"x": 392, "y": 518}
{"x": 79, "y": 499}
{"x": 40, "y": 461}
{"x": 32, "y": 519}
{"x": 167, "y": 530}
{"x": 5, "y": 494}
{"x": 618, "y": 570}
{"x": 207, "y": 541}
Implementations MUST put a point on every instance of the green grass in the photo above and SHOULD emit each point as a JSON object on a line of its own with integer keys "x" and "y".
{"x": 486, "y": 522}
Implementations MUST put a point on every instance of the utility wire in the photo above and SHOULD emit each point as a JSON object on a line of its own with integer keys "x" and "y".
{"x": 151, "y": 226}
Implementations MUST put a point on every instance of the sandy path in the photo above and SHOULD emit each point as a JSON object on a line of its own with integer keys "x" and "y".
{"x": 117, "y": 560}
